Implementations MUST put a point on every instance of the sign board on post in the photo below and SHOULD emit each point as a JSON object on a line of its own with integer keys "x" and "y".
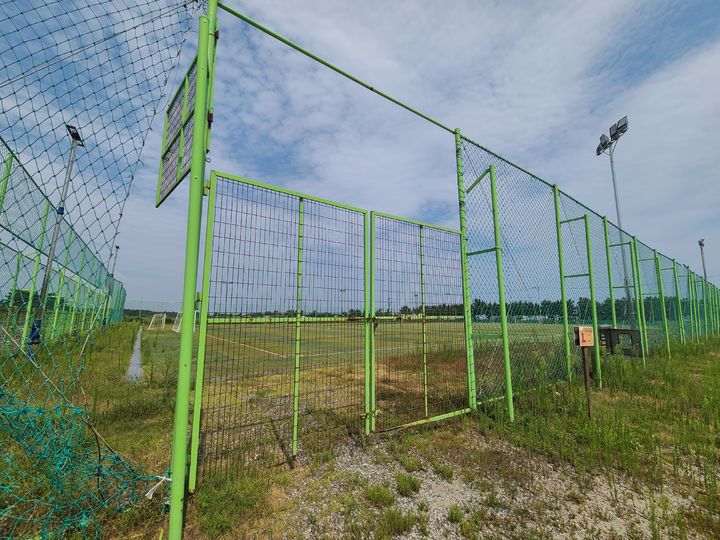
{"x": 177, "y": 137}
{"x": 586, "y": 336}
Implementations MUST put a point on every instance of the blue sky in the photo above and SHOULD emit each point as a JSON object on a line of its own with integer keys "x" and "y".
{"x": 536, "y": 81}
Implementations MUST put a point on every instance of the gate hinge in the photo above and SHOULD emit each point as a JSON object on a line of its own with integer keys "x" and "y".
{"x": 210, "y": 119}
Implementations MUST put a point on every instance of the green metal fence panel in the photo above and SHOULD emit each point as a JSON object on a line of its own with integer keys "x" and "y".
{"x": 420, "y": 347}
{"x": 284, "y": 355}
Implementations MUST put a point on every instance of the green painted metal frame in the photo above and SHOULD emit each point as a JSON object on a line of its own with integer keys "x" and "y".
{"x": 298, "y": 327}
{"x": 5, "y": 178}
{"x": 641, "y": 298}
{"x": 179, "y": 458}
{"x": 464, "y": 268}
{"x": 678, "y": 300}
{"x": 661, "y": 294}
{"x": 423, "y": 318}
{"x": 563, "y": 289}
{"x": 501, "y": 295}
{"x": 593, "y": 304}
{"x": 36, "y": 268}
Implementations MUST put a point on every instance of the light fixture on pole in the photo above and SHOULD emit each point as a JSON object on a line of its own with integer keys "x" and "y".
{"x": 607, "y": 146}
{"x": 76, "y": 141}
{"x": 701, "y": 243}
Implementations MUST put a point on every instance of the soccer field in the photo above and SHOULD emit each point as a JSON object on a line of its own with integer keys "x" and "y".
{"x": 252, "y": 390}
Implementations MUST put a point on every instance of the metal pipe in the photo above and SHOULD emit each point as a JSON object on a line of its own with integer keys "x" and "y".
{"x": 563, "y": 293}
{"x": 192, "y": 249}
{"x": 501, "y": 296}
{"x": 467, "y": 306}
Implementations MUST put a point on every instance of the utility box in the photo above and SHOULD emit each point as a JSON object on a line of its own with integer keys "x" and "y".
{"x": 616, "y": 340}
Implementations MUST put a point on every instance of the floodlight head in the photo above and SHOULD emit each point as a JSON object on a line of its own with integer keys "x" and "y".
{"x": 701, "y": 242}
{"x": 604, "y": 144}
{"x": 74, "y": 135}
{"x": 619, "y": 128}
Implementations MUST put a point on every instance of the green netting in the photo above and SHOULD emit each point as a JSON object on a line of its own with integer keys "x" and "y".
{"x": 102, "y": 67}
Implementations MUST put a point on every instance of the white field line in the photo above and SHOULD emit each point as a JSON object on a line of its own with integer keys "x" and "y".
{"x": 243, "y": 345}
{"x": 304, "y": 355}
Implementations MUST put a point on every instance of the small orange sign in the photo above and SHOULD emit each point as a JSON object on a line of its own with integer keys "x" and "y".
{"x": 587, "y": 337}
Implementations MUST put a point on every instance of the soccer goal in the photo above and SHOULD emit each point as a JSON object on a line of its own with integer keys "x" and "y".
{"x": 178, "y": 322}
{"x": 157, "y": 322}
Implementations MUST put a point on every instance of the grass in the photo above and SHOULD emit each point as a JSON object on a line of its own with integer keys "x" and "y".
{"x": 657, "y": 425}
{"x": 223, "y": 503}
{"x": 394, "y": 522}
{"x": 379, "y": 496}
{"x": 407, "y": 484}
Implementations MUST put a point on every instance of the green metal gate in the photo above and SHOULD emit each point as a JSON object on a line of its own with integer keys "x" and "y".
{"x": 419, "y": 354}
{"x": 283, "y": 328}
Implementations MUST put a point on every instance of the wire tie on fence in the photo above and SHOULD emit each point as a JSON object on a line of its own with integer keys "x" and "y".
{"x": 151, "y": 491}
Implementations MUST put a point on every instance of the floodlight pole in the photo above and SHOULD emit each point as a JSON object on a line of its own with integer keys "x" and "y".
{"x": 701, "y": 243}
{"x": 60, "y": 212}
{"x": 611, "y": 152}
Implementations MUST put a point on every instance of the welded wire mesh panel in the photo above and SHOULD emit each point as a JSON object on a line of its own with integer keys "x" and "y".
{"x": 332, "y": 333}
{"x": 420, "y": 354}
{"x": 101, "y": 67}
{"x": 526, "y": 218}
{"x": 284, "y": 355}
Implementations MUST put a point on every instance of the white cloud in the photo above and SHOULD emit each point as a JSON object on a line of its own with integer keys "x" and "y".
{"x": 531, "y": 81}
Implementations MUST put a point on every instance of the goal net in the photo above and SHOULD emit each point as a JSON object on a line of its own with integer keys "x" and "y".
{"x": 157, "y": 322}
{"x": 178, "y": 322}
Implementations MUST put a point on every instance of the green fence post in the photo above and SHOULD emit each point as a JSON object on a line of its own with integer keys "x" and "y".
{"x": 661, "y": 293}
{"x": 13, "y": 288}
{"x": 373, "y": 369}
{"x": 202, "y": 336}
{"x": 56, "y": 307}
{"x": 368, "y": 323}
{"x": 593, "y": 304}
{"x": 88, "y": 294}
{"x": 298, "y": 315}
{"x": 641, "y": 314}
{"x": 36, "y": 268}
{"x": 422, "y": 322}
{"x": 76, "y": 299}
{"x": 179, "y": 461}
{"x": 501, "y": 295}
{"x": 678, "y": 301}
{"x": 5, "y": 178}
{"x": 690, "y": 302}
{"x": 563, "y": 292}
{"x": 609, "y": 271}
{"x": 638, "y": 296}
{"x": 467, "y": 304}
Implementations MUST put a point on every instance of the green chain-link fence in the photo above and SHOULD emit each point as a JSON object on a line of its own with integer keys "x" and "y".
{"x": 80, "y": 85}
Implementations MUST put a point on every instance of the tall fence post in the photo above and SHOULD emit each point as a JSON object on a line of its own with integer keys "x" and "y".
{"x": 467, "y": 311}
{"x": 36, "y": 268}
{"x": 593, "y": 303}
{"x": 678, "y": 301}
{"x": 298, "y": 315}
{"x": 691, "y": 303}
{"x": 661, "y": 293}
{"x": 373, "y": 370}
{"x": 179, "y": 460}
{"x": 609, "y": 271}
{"x": 501, "y": 295}
{"x": 202, "y": 336}
{"x": 641, "y": 312}
{"x": 422, "y": 322}
{"x": 563, "y": 292}
{"x": 56, "y": 307}
{"x": 638, "y": 298}
{"x": 368, "y": 327}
